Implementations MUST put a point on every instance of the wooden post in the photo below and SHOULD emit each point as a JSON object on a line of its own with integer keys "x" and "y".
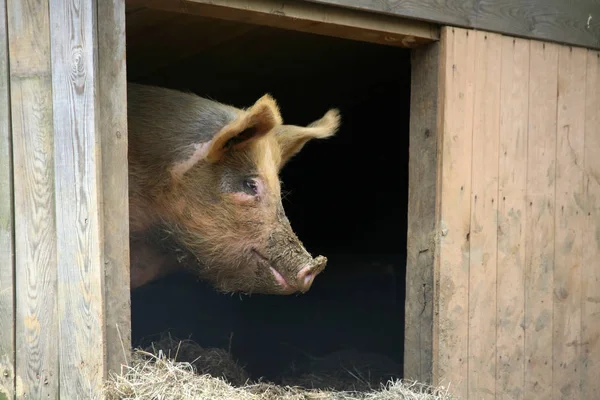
{"x": 113, "y": 116}
{"x": 35, "y": 235}
{"x": 422, "y": 200}
{"x": 68, "y": 120}
{"x": 590, "y": 274}
{"x": 7, "y": 315}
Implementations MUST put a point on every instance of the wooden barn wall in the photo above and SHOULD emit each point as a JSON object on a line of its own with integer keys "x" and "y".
{"x": 517, "y": 266}
{"x": 301, "y": 16}
{"x": 7, "y": 349}
{"x": 64, "y": 280}
{"x": 568, "y": 22}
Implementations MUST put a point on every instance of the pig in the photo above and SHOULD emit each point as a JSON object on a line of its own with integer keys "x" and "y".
{"x": 204, "y": 177}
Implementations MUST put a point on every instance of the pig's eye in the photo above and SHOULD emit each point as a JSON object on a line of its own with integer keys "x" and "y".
{"x": 250, "y": 186}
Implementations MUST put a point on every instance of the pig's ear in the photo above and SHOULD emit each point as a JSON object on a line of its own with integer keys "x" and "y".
{"x": 292, "y": 138}
{"x": 250, "y": 125}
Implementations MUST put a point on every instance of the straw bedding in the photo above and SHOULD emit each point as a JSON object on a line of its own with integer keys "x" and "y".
{"x": 178, "y": 370}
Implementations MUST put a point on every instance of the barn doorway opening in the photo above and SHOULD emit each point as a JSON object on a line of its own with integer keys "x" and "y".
{"x": 346, "y": 197}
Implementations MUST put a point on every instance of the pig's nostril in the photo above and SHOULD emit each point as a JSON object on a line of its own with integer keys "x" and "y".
{"x": 305, "y": 278}
{"x": 308, "y": 279}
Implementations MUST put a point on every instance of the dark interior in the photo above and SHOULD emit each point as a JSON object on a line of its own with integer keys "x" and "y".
{"x": 346, "y": 197}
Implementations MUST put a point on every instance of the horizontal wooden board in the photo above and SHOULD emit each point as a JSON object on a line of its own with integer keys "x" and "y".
{"x": 304, "y": 17}
{"x": 576, "y": 23}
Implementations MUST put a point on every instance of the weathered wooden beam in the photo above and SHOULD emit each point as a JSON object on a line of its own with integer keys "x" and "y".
{"x": 569, "y": 222}
{"x": 483, "y": 236}
{"x": 36, "y": 319}
{"x": 69, "y": 166}
{"x": 590, "y": 274}
{"x": 7, "y": 304}
{"x": 77, "y": 172}
{"x": 575, "y": 23}
{"x": 306, "y": 17}
{"x": 89, "y": 94}
{"x": 112, "y": 98}
{"x": 452, "y": 260}
{"x": 512, "y": 187}
{"x": 540, "y": 218}
{"x": 422, "y": 199}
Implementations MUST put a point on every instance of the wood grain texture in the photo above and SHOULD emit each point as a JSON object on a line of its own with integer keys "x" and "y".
{"x": 514, "y": 107}
{"x": 590, "y": 272}
{"x": 112, "y": 103}
{"x": 541, "y": 182}
{"x": 452, "y": 269}
{"x": 7, "y": 300}
{"x": 422, "y": 200}
{"x": 78, "y": 200}
{"x": 35, "y": 233}
{"x": 576, "y": 23}
{"x": 307, "y": 17}
{"x": 569, "y": 223}
{"x": 484, "y": 217}
{"x": 533, "y": 327}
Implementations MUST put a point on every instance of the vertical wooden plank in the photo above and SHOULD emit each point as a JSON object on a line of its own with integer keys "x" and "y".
{"x": 7, "y": 306}
{"x": 514, "y": 106}
{"x": 112, "y": 95}
{"x": 590, "y": 274}
{"x": 541, "y": 172}
{"x": 35, "y": 236}
{"x": 484, "y": 217}
{"x": 452, "y": 265}
{"x": 569, "y": 222}
{"x": 422, "y": 199}
{"x": 78, "y": 210}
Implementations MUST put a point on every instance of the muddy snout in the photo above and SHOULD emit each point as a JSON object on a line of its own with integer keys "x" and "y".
{"x": 307, "y": 275}
{"x": 292, "y": 267}
{"x": 302, "y": 281}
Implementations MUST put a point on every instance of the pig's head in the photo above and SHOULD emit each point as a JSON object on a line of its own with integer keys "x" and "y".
{"x": 213, "y": 184}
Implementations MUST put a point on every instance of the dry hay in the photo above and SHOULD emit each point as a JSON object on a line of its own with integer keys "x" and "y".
{"x": 171, "y": 370}
{"x": 215, "y": 362}
{"x": 343, "y": 370}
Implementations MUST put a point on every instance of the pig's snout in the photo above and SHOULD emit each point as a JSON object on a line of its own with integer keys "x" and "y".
{"x": 303, "y": 279}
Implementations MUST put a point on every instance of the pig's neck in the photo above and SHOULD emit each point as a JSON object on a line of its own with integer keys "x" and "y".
{"x": 142, "y": 215}
{"x": 139, "y": 222}
{"x": 147, "y": 259}
{"x": 149, "y": 263}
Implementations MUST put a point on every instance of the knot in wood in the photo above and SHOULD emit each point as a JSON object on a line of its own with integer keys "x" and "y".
{"x": 77, "y": 65}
